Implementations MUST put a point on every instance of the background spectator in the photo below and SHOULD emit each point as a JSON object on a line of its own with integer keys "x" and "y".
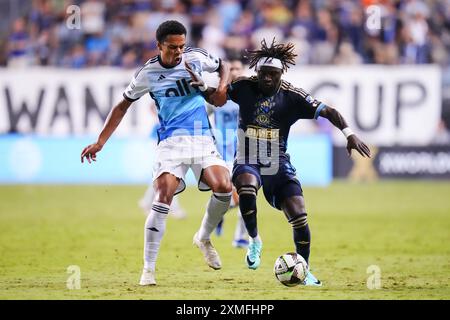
{"x": 325, "y": 31}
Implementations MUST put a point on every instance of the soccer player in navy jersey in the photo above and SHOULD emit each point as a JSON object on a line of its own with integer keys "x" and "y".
{"x": 185, "y": 138}
{"x": 268, "y": 107}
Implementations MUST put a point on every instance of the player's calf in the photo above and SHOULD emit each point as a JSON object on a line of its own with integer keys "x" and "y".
{"x": 247, "y": 205}
{"x": 302, "y": 234}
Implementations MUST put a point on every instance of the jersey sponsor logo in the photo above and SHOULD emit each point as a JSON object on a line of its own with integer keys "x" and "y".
{"x": 262, "y": 133}
{"x": 161, "y": 77}
{"x": 182, "y": 89}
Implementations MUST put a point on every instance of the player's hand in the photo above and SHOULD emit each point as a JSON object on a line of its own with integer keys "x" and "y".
{"x": 218, "y": 97}
{"x": 90, "y": 152}
{"x": 353, "y": 142}
{"x": 196, "y": 80}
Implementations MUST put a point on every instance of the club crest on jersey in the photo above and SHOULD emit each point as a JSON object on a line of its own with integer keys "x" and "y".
{"x": 195, "y": 67}
{"x": 262, "y": 119}
{"x": 264, "y": 111}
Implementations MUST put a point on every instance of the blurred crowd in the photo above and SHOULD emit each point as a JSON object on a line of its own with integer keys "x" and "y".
{"x": 122, "y": 32}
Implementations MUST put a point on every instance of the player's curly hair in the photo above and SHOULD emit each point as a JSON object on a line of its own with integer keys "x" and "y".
{"x": 167, "y": 28}
{"x": 284, "y": 52}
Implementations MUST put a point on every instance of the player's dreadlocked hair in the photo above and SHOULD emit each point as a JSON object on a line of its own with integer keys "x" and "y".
{"x": 279, "y": 51}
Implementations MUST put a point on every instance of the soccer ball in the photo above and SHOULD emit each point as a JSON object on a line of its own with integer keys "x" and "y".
{"x": 290, "y": 269}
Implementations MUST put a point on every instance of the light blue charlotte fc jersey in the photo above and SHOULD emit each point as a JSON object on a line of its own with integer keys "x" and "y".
{"x": 181, "y": 108}
{"x": 226, "y": 119}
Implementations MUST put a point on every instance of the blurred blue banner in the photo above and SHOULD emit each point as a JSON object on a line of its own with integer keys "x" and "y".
{"x": 32, "y": 159}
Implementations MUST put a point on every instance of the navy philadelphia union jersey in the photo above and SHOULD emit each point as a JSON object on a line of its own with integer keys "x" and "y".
{"x": 270, "y": 118}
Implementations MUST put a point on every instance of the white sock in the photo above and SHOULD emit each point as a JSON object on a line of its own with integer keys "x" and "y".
{"x": 240, "y": 232}
{"x": 217, "y": 206}
{"x": 155, "y": 226}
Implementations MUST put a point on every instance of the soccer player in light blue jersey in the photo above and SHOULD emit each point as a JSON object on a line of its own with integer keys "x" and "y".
{"x": 185, "y": 138}
{"x": 226, "y": 120}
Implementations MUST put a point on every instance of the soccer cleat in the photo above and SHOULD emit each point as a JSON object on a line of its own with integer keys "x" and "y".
{"x": 240, "y": 243}
{"x": 147, "y": 278}
{"x": 219, "y": 228}
{"x": 209, "y": 252}
{"x": 253, "y": 256}
{"x": 310, "y": 280}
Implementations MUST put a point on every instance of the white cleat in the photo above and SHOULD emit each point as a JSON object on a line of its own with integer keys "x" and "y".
{"x": 147, "y": 278}
{"x": 209, "y": 252}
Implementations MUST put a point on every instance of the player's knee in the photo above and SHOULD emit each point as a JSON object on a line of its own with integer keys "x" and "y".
{"x": 246, "y": 180}
{"x": 163, "y": 197}
{"x": 222, "y": 186}
{"x": 298, "y": 220}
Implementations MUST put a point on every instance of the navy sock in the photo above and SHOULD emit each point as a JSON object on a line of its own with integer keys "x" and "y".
{"x": 302, "y": 239}
{"x": 247, "y": 205}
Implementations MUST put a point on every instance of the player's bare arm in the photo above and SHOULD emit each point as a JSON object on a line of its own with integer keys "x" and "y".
{"x": 219, "y": 97}
{"x": 353, "y": 142}
{"x": 112, "y": 122}
{"x": 215, "y": 96}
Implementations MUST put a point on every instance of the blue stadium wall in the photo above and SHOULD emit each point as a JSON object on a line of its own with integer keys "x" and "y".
{"x": 39, "y": 160}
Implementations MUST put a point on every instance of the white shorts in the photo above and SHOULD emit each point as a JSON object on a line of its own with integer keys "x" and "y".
{"x": 230, "y": 166}
{"x": 175, "y": 155}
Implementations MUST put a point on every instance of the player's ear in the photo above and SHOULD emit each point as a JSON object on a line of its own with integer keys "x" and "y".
{"x": 159, "y": 45}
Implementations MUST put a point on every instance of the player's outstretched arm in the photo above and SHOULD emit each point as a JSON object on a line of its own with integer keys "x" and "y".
{"x": 112, "y": 122}
{"x": 353, "y": 142}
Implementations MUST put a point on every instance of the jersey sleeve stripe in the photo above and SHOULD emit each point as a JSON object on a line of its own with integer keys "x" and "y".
{"x": 252, "y": 78}
{"x": 202, "y": 51}
{"x": 299, "y": 91}
{"x": 198, "y": 49}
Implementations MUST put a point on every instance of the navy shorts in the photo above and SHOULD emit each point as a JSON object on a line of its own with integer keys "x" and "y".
{"x": 276, "y": 187}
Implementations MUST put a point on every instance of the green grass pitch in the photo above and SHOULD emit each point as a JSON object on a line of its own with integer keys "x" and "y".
{"x": 401, "y": 227}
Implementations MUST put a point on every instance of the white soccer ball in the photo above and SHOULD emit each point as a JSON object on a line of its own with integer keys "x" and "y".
{"x": 290, "y": 269}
